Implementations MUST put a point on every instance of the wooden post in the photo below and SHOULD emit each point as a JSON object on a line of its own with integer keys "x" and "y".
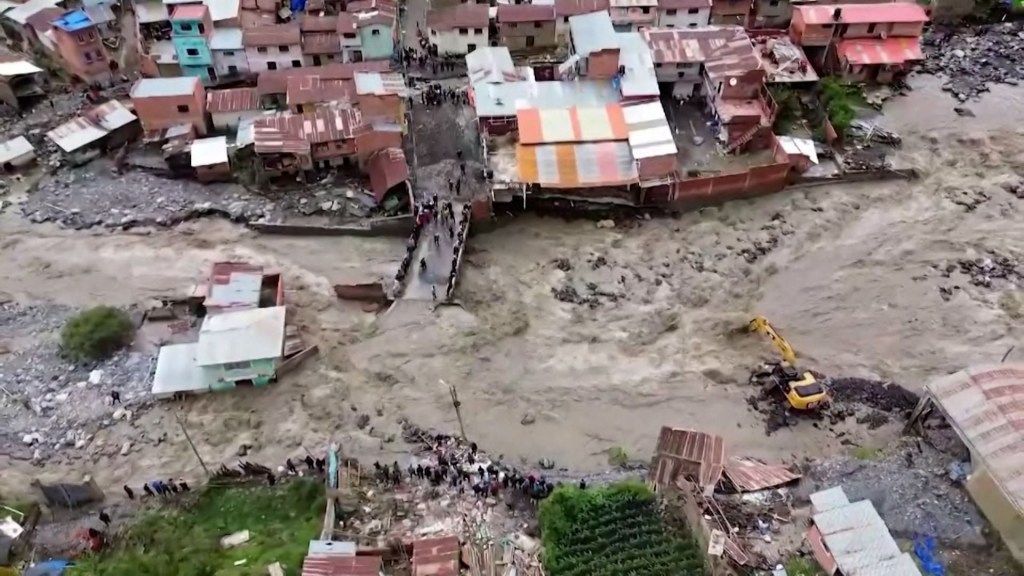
{"x": 457, "y": 405}
{"x": 190, "y": 444}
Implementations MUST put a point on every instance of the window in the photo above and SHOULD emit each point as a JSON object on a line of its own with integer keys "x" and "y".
{"x": 91, "y": 35}
{"x": 232, "y": 69}
{"x": 375, "y": 32}
{"x": 682, "y": 74}
{"x": 237, "y": 365}
{"x": 351, "y": 36}
{"x": 88, "y": 56}
{"x": 537, "y": 24}
{"x": 192, "y": 52}
{"x": 271, "y": 65}
{"x": 296, "y": 63}
{"x": 183, "y": 108}
{"x": 229, "y": 53}
{"x": 283, "y": 49}
{"x": 262, "y": 49}
{"x": 693, "y": 11}
{"x": 202, "y": 29}
{"x": 463, "y": 31}
{"x": 478, "y": 30}
{"x": 81, "y": 38}
{"x": 330, "y": 56}
{"x": 184, "y": 26}
{"x": 871, "y": 27}
{"x": 692, "y": 24}
{"x": 670, "y": 25}
{"x": 565, "y": 19}
{"x": 670, "y": 12}
{"x": 645, "y": 10}
{"x": 657, "y": 64}
{"x": 529, "y": 41}
{"x": 512, "y": 25}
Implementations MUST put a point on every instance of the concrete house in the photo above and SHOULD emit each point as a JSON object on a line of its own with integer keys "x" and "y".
{"x": 375, "y": 22}
{"x": 227, "y": 108}
{"x": 229, "y": 60}
{"x": 772, "y": 13}
{"x": 684, "y": 13}
{"x": 734, "y": 12}
{"x": 458, "y": 29}
{"x": 292, "y": 143}
{"x": 567, "y": 8}
{"x": 17, "y": 22}
{"x": 191, "y": 31}
{"x": 242, "y": 347}
{"x": 633, "y": 15}
{"x": 348, "y": 35}
{"x": 105, "y": 127}
{"x": 381, "y": 96}
{"x": 594, "y": 46}
{"x": 21, "y": 82}
{"x": 163, "y": 103}
{"x": 275, "y": 47}
{"x": 527, "y": 26}
{"x": 16, "y": 153}
{"x": 320, "y": 41}
{"x": 81, "y": 47}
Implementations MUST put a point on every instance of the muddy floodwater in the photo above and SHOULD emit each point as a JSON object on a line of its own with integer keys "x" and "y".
{"x": 855, "y": 276}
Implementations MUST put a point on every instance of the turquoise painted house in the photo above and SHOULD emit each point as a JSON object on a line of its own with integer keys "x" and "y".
{"x": 191, "y": 30}
{"x": 376, "y": 34}
{"x": 243, "y": 347}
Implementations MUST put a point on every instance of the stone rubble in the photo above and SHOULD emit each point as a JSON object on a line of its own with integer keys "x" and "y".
{"x": 972, "y": 58}
{"x": 50, "y": 407}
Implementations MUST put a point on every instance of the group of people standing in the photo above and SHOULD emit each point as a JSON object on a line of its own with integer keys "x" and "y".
{"x": 435, "y": 95}
{"x": 159, "y": 488}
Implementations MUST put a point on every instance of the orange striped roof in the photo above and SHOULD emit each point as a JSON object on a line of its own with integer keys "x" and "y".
{"x": 575, "y": 124}
{"x": 576, "y": 165}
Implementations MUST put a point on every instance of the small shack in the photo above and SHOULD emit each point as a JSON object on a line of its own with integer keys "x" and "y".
{"x": 21, "y": 82}
{"x": 16, "y": 153}
{"x": 177, "y": 373}
{"x": 210, "y": 159}
{"x": 242, "y": 347}
{"x": 104, "y": 127}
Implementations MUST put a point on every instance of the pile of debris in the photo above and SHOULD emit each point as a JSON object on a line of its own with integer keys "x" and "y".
{"x": 971, "y": 58}
{"x": 983, "y": 271}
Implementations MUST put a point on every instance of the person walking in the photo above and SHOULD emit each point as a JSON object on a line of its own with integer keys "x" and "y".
{"x": 105, "y": 518}
{"x": 115, "y": 397}
{"x": 129, "y": 492}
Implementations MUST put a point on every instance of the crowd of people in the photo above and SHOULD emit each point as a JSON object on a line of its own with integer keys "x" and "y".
{"x": 159, "y": 488}
{"x": 434, "y": 95}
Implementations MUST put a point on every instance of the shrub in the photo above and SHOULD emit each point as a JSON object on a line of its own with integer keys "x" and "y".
{"x": 96, "y": 333}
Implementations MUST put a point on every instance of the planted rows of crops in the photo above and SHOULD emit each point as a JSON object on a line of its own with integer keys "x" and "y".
{"x": 612, "y": 531}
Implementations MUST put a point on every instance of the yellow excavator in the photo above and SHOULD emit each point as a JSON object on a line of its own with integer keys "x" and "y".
{"x": 802, "y": 390}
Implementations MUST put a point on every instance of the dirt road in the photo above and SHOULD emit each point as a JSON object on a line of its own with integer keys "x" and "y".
{"x": 851, "y": 275}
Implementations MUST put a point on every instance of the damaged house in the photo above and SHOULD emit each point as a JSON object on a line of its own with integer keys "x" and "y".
{"x": 21, "y": 82}
{"x": 294, "y": 143}
{"x": 105, "y": 127}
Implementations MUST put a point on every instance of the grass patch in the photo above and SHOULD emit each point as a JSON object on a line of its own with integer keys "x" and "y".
{"x": 841, "y": 102}
{"x": 867, "y": 453}
{"x": 173, "y": 542}
{"x": 612, "y": 531}
{"x": 617, "y": 456}
{"x": 801, "y": 567}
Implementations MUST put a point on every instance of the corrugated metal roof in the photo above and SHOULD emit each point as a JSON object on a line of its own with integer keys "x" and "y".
{"x": 316, "y": 90}
{"x": 592, "y": 32}
{"x": 222, "y": 9}
{"x": 321, "y": 43}
{"x": 234, "y": 285}
{"x": 576, "y": 165}
{"x": 151, "y": 12}
{"x": 702, "y": 455}
{"x": 503, "y": 100}
{"x": 73, "y": 21}
{"x": 15, "y": 148}
{"x": 386, "y": 168}
{"x": 278, "y": 134}
{"x": 516, "y": 13}
{"x": 189, "y": 12}
{"x": 17, "y": 68}
{"x": 293, "y": 133}
{"x": 639, "y": 79}
{"x": 176, "y": 371}
{"x": 338, "y": 565}
{"x": 648, "y": 131}
{"x": 226, "y": 39}
{"x": 380, "y": 84}
{"x": 274, "y": 35}
{"x": 491, "y": 64}
{"x": 882, "y": 13}
{"x": 318, "y": 23}
{"x": 91, "y": 126}
{"x": 724, "y": 50}
{"x": 242, "y": 336}
{"x": 232, "y": 100}
{"x": 435, "y": 556}
{"x": 459, "y": 16}
{"x": 42, "y": 21}
{"x": 857, "y": 538}
{"x": 683, "y": 4}
{"x": 750, "y": 475}
{"x": 100, "y": 13}
{"x": 276, "y": 81}
{"x": 985, "y": 405}
{"x": 565, "y": 8}
{"x": 877, "y": 51}
{"x": 161, "y": 87}
{"x": 22, "y": 12}
{"x": 211, "y": 152}
{"x": 330, "y": 548}
{"x": 537, "y": 126}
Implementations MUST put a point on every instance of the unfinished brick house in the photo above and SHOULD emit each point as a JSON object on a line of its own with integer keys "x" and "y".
{"x": 320, "y": 40}
{"x": 735, "y": 12}
{"x": 526, "y": 26}
{"x": 165, "y": 103}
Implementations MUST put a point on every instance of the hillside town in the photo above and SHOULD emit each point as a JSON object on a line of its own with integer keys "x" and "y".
{"x": 414, "y": 287}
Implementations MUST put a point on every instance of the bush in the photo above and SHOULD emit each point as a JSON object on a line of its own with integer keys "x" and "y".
{"x": 96, "y": 333}
{"x": 841, "y": 102}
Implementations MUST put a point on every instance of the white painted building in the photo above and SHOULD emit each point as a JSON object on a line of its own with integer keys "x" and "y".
{"x": 276, "y": 47}
{"x": 348, "y": 34}
{"x": 459, "y": 29}
{"x": 229, "y": 57}
{"x": 683, "y": 13}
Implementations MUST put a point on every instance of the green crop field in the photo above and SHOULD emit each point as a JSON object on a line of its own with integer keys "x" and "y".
{"x": 186, "y": 542}
{"x": 612, "y": 531}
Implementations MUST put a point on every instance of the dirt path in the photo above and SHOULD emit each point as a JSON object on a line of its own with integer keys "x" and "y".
{"x": 845, "y": 272}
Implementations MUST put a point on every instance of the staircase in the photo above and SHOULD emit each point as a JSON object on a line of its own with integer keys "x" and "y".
{"x": 746, "y": 137}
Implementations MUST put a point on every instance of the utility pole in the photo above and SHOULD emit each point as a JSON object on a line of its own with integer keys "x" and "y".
{"x": 190, "y": 444}
{"x": 456, "y": 404}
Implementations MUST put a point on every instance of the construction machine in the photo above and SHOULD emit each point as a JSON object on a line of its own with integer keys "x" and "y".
{"x": 802, "y": 390}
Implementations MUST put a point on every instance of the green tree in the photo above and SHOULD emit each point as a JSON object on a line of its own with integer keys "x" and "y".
{"x": 96, "y": 333}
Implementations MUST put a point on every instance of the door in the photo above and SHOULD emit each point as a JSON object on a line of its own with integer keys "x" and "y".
{"x": 316, "y": 60}
{"x": 470, "y": 47}
{"x": 211, "y": 72}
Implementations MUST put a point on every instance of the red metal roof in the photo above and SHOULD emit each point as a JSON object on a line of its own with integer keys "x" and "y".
{"x": 387, "y": 168}
{"x": 436, "y": 557}
{"x": 338, "y": 565}
{"x": 888, "y": 13}
{"x": 278, "y": 134}
{"x": 525, "y": 13}
{"x": 232, "y": 100}
{"x": 683, "y": 4}
{"x": 725, "y": 50}
{"x": 276, "y": 35}
{"x": 43, "y": 20}
{"x": 749, "y": 475}
{"x": 460, "y": 16}
{"x": 889, "y": 51}
{"x": 276, "y": 81}
{"x": 346, "y": 23}
{"x": 574, "y": 7}
{"x": 190, "y": 12}
{"x": 690, "y": 454}
{"x": 316, "y": 90}
{"x": 321, "y": 43}
{"x": 330, "y": 124}
{"x": 313, "y": 23}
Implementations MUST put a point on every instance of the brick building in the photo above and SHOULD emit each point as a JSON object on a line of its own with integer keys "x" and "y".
{"x": 163, "y": 103}
{"x": 526, "y": 26}
{"x": 81, "y": 47}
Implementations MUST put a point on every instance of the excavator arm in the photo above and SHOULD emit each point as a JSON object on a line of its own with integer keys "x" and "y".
{"x": 761, "y": 324}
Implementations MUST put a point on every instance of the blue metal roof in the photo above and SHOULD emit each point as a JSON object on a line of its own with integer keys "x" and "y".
{"x": 73, "y": 21}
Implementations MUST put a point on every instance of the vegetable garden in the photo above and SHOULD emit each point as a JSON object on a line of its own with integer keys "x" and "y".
{"x": 612, "y": 531}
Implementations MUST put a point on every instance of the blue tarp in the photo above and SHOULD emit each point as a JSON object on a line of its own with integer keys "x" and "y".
{"x": 298, "y": 5}
{"x": 48, "y": 568}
